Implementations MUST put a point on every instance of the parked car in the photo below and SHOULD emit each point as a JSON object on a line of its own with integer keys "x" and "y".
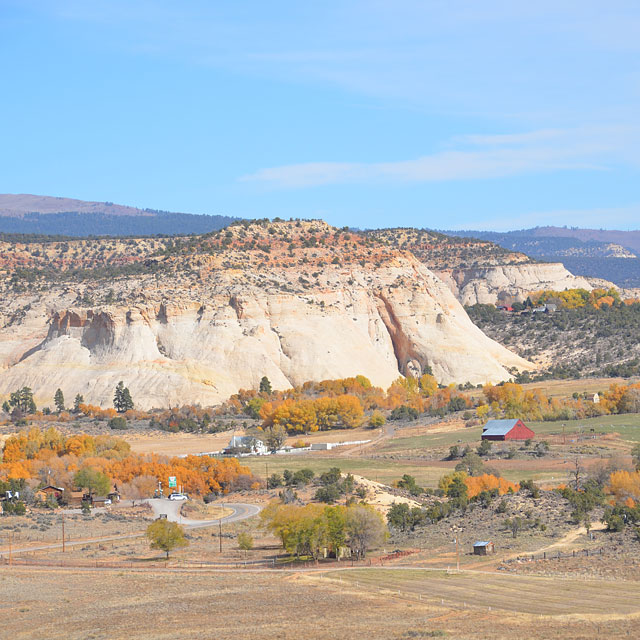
{"x": 177, "y": 496}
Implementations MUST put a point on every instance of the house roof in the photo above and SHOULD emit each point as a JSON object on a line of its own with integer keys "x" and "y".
{"x": 498, "y": 427}
{"x": 481, "y": 544}
{"x": 50, "y": 486}
{"x": 243, "y": 441}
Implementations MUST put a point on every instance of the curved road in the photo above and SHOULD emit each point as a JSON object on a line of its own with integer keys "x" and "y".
{"x": 171, "y": 508}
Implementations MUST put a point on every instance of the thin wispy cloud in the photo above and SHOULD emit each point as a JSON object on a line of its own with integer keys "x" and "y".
{"x": 502, "y": 156}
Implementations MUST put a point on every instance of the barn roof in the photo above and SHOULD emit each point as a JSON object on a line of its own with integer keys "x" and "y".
{"x": 498, "y": 427}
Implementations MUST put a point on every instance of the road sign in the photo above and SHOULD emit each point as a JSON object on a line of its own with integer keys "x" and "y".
{"x": 172, "y": 481}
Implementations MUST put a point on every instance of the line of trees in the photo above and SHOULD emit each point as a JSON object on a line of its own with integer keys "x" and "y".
{"x": 314, "y": 529}
{"x": 51, "y": 457}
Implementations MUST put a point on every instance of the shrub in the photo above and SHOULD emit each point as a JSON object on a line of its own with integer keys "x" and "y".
{"x": 328, "y": 494}
{"x": 404, "y": 412}
{"x": 245, "y": 541}
{"x": 377, "y": 419}
{"x": 16, "y": 508}
{"x": 118, "y": 423}
{"x": 409, "y": 483}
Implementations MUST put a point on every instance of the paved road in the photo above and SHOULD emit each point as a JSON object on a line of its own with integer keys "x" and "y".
{"x": 171, "y": 508}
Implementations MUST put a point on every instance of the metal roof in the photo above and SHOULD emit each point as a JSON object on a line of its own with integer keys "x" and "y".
{"x": 498, "y": 427}
{"x": 244, "y": 441}
{"x": 481, "y": 544}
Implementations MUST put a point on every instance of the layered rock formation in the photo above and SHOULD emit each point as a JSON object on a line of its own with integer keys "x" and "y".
{"x": 509, "y": 283}
{"x": 199, "y": 320}
{"x": 480, "y": 272}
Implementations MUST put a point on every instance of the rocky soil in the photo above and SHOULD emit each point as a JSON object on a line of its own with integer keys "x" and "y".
{"x": 545, "y": 521}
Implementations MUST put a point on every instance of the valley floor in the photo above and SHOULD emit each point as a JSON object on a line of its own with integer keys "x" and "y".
{"x": 77, "y": 604}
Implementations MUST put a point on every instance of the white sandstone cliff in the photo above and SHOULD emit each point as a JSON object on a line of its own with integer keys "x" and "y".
{"x": 202, "y": 343}
{"x": 509, "y": 283}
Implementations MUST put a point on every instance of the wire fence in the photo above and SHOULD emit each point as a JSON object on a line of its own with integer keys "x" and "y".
{"x": 277, "y": 563}
{"x": 559, "y": 555}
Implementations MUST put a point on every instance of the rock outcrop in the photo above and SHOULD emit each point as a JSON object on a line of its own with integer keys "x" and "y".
{"x": 228, "y": 312}
{"x": 509, "y": 283}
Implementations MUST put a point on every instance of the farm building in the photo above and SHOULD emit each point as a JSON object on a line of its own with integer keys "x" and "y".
{"x": 506, "y": 430}
{"x": 483, "y": 548}
{"x": 50, "y": 490}
{"x": 246, "y": 445}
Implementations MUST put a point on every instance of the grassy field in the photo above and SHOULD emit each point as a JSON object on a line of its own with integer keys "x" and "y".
{"x": 627, "y": 425}
{"x": 112, "y": 604}
{"x": 377, "y": 469}
{"x": 522, "y": 594}
{"x": 427, "y": 472}
{"x": 564, "y": 388}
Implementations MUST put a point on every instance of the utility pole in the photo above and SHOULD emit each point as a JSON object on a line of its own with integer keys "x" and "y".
{"x": 564, "y": 441}
{"x": 63, "y": 547}
{"x": 10, "y": 545}
{"x": 220, "y": 527}
{"x": 457, "y": 555}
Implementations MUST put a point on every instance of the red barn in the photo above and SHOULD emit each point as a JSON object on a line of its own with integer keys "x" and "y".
{"x": 506, "y": 430}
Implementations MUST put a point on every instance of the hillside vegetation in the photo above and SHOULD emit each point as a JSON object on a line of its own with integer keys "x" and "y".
{"x": 28, "y": 214}
{"x": 586, "y": 336}
{"x": 439, "y": 251}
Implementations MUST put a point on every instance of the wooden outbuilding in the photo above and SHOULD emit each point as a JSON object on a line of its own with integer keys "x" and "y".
{"x": 50, "y": 490}
{"x": 506, "y": 430}
{"x": 483, "y": 548}
{"x": 76, "y": 498}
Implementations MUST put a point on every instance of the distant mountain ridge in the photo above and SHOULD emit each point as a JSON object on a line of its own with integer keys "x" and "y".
{"x": 596, "y": 253}
{"x": 25, "y": 213}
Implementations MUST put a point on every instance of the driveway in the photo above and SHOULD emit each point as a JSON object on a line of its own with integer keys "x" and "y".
{"x": 171, "y": 508}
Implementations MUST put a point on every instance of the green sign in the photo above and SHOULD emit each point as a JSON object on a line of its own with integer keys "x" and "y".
{"x": 172, "y": 481}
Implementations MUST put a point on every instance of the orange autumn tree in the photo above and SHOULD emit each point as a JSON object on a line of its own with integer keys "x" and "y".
{"x": 308, "y": 415}
{"x": 487, "y": 482}
{"x": 624, "y": 487}
{"x": 47, "y": 455}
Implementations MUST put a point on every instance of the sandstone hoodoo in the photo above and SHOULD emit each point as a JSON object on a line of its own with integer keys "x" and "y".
{"x": 195, "y": 319}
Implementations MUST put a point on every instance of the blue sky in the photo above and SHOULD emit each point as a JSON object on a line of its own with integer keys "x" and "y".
{"x": 457, "y": 114}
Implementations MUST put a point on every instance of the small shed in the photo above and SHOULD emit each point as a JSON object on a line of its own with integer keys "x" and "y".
{"x": 76, "y": 498}
{"x": 506, "y": 430}
{"x": 483, "y": 548}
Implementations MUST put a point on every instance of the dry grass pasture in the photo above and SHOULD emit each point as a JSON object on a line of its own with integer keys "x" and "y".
{"x": 108, "y": 604}
{"x": 489, "y": 591}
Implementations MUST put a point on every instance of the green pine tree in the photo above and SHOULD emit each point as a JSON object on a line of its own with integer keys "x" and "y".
{"x": 122, "y": 400}
{"x": 265, "y": 385}
{"x": 79, "y": 399}
{"x": 58, "y": 400}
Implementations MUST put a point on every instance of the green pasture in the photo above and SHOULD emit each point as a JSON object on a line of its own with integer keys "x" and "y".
{"x": 381, "y": 470}
{"x": 626, "y": 424}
